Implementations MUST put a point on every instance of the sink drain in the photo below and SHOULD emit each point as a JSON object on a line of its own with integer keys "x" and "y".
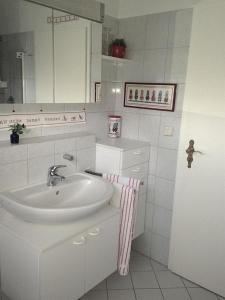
{"x": 57, "y": 193}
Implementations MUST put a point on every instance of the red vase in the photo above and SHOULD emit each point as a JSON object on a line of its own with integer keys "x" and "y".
{"x": 118, "y": 51}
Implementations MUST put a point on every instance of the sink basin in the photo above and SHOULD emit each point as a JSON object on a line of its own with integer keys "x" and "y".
{"x": 78, "y": 196}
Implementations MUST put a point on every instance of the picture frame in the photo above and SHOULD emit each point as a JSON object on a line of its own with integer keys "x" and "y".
{"x": 156, "y": 96}
{"x": 98, "y": 92}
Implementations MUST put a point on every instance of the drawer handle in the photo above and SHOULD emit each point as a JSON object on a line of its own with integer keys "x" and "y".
{"x": 137, "y": 170}
{"x": 79, "y": 242}
{"x": 137, "y": 152}
{"x": 95, "y": 232}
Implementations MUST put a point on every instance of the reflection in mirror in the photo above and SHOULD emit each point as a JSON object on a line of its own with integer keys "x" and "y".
{"x": 47, "y": 56}
{"x": 26, "y": 60}
{"x": 77, "y": 57}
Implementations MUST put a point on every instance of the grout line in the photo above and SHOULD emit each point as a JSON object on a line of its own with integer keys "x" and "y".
{"x": 187, "y": 290}
{"x": 157, "y": 280}
{"x": 135, "y": 295}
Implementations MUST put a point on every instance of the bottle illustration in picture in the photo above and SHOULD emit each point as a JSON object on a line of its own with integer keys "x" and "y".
{"x": 160, "y": 96}
{"x": 166, "y": 99}
{"x": 136, "y": 95}
{"x": 153, "y": 98}
{"x": 147, "y": 97}
{"x": 142, "y": 95}
{"x": 131, "y": 95}
{"x": 115, "y": 127}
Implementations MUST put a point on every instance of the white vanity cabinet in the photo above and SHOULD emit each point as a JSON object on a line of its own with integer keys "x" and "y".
{"x": 57, "y": 262}
{"x": 128, "y": 158}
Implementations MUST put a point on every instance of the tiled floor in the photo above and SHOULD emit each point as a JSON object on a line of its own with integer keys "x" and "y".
{"x": 148, "y": 280}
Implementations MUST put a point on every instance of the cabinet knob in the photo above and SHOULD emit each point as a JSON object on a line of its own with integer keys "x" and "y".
{"x": 138, "y": 152}
{"x": 137, "y": 170}
{"x": 81, "y": 241}
{"x": 94, "y": 232}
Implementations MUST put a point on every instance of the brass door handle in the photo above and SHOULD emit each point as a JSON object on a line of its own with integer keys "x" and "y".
{"x": 190, "y": 150}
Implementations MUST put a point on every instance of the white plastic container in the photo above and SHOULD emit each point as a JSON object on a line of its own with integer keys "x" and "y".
{"x": 114, "y": 129}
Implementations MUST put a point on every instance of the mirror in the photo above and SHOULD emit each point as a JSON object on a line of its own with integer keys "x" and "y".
{"x": 47, "y": 56}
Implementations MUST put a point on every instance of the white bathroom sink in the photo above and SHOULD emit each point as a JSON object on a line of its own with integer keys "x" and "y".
{"x": 76, "y": 197}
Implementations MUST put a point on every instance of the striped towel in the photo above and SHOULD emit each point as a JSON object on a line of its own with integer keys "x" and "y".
{"x": 126, "y": 196}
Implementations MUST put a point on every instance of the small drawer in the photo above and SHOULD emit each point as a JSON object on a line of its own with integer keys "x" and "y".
{"x": 139, "y": 172}
{"x": 134, "y": 157}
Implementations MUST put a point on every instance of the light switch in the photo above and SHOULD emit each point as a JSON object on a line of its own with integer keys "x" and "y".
{"x": 168, "y": 131}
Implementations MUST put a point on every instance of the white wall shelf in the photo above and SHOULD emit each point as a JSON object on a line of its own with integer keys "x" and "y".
{"x": 116, "y": 59}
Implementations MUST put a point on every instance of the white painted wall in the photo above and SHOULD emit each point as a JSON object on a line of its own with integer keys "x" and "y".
{"x": 131, "y": 8}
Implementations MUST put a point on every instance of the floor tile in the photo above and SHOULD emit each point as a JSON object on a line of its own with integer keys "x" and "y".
{"x": 149, "y": 294}
{"x": 201, "y": 294}
{"x": 100, "y": 286}
{"x": 95, "y": 295}
{"x": 158, "y": 266}
{"x": 115, "y": 281}
{"x": 140, "y": 264}
{"x": 134, "y": 254}
{"x": 188, "y": 283}
{"x": 144, "y": 280}
{"x": 169, "y": 280}
{"x": 121, "y": 295}
{"x": 176, "y": 294}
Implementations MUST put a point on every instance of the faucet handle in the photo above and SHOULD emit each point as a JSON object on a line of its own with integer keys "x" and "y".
{"x": 53, "y": 169}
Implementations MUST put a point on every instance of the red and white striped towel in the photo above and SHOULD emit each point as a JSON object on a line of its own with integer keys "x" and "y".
{"x": 127, "y": 196}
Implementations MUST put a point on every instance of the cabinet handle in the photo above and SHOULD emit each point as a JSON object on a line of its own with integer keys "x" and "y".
{"x": 138, "y": 152}
{"x": 95, "y": 232}
{"x": 79, "y": 242}
{"x": 137, "y": 170}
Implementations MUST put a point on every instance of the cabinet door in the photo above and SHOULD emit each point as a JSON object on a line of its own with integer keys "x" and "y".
{"x": 101, "y": 252}
{"x": 62, "y": 270}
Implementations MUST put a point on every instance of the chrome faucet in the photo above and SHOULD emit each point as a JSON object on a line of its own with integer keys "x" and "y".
{"x": 53, "y": 177}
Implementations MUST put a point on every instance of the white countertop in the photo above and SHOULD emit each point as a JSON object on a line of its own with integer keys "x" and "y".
{"x": 121, "y": 143}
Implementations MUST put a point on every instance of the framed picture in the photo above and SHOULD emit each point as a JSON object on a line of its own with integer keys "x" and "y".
{"x": 98, "y": 92}
{"x": 158, "y": 96}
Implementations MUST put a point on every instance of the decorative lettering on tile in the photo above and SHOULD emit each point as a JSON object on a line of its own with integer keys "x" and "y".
{"x": 42, "y": 119}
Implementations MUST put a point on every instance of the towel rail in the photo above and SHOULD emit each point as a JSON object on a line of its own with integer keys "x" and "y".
{"x": 100, "y": 174}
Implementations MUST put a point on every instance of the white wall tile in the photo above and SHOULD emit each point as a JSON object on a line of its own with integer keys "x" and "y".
{"x": 65, "y": 146}
{"x": 157, "y": 30}
{"x": 13, "y": 153}
{"x": 149, "y": 213}
{"x": 153, "y": 160}
{"x": 164, "y": 192}
{"x": 85, "y": 142}
{"x": 40, "y": 149}
{"x": 176, "y": 65}
{"x": 38, "y": 169}
{"x": 166, "y": 164}
{"x": 162, "y": 221}
{"x": 130, "y": 125}
{"x": 151, "y": 189}
{"x": 132, "y": 29}
{"x": 159, "y": 248}
{"x": 180, "y": 28}
{"x": 13, "y": 175}
{"x": 86, "y": 159}
{"x": 154, "y": 65}
{"x": 149, "y": 129}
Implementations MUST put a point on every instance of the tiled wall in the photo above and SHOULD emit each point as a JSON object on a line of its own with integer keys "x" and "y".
{"x": 28, "y": 163}
{"x": 158, "y": 46}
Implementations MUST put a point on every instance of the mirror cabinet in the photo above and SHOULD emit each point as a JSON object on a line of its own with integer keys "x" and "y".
{"x": 47, "y": 55}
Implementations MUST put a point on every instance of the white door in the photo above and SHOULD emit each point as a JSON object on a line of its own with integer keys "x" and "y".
{"x": 197, "y": 249}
